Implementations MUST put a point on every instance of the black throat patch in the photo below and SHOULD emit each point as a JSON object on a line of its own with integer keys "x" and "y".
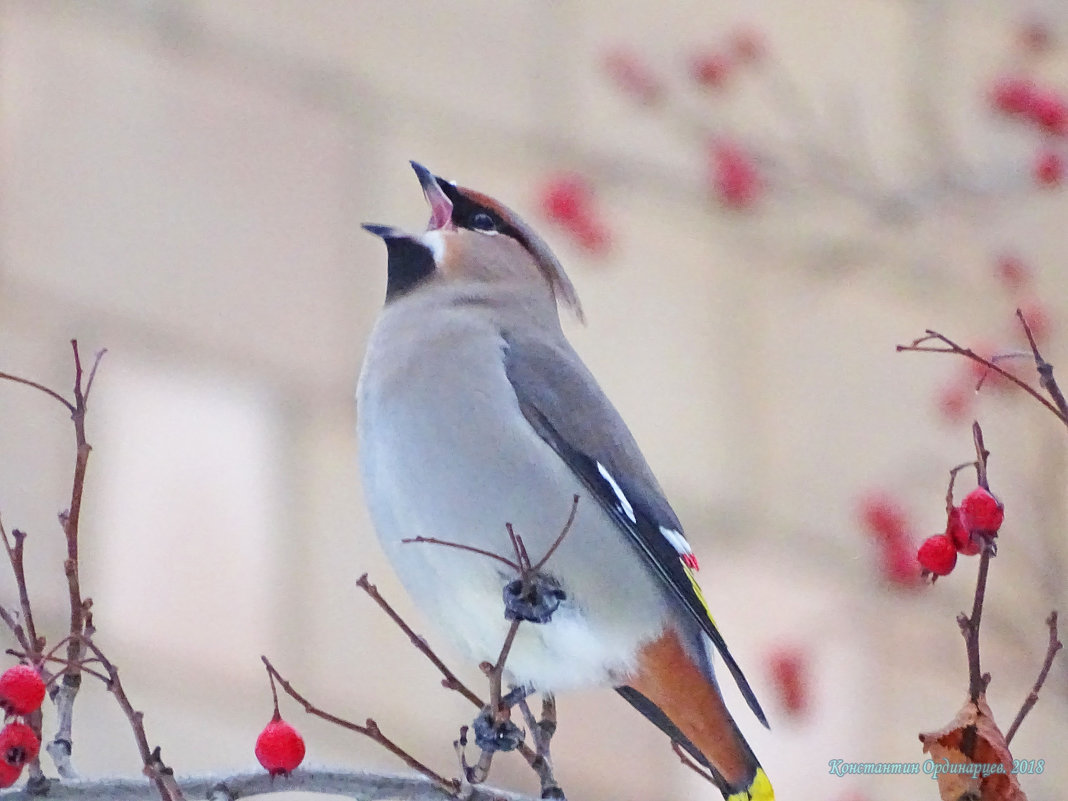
{"x": 410, "y": 263}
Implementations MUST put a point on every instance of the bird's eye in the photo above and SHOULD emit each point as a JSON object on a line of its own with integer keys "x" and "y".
{"x": 481, "y": 221}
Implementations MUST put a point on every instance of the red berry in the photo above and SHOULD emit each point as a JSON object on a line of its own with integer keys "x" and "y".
{"x": 591, "y": 235}
{"x": 9, "y": 774}
{"x": 279, "y": 748}
{"x": 962, "y": 538}
{"x": 937, "y": 554}
{"x": 1013, "y": 95}
{"x": 954, "y": 401}
{"x": 1049, "y": 111}
{"x": 898, "y": 563}
{"x": 21, "y": 690}
{"x": 734, "y": 175}
{"x": 789, "y": 675}
{"x": 981, "y": 511}
{"x": 710, "y": 69}
{"x": 18, "y": 744}
{"x": 566, "y": 198}
{"x": 1012, "y": 271}
{"x": 1049, "y": 168}
{"x": 883, "y": 517}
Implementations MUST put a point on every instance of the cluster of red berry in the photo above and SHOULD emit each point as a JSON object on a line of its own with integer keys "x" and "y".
{"x": 21, "y": 693}
{"x": 1045, "y": 109}
{"x": 279, "y": 748}
{"x": 969, "y": 526}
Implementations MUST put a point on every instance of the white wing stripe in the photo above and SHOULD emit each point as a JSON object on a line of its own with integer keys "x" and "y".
{"x": 623, "y": 502}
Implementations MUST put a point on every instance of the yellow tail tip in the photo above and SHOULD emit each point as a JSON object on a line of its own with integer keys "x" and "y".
{"x": 758, "y": 790}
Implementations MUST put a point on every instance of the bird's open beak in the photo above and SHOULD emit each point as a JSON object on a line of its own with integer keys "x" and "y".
{"x": 440, "y": 205}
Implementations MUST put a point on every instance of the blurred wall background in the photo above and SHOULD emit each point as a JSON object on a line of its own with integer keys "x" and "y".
{"x": 183, "y": 182}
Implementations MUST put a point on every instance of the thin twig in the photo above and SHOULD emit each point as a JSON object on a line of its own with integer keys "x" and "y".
{"x": 688, "y": 761}
{"x": 461, "y": 547}
{"x": 40, "y": 388}
{"x": 1045, "y": 370}
{"x": 15, "y": 557}
{"x": 154, "y": 767}
{"x": 969, "y": 626}
{"x": 918, "y": 346}
{"x": 370, "y": 730}
{"x": 560, "y": 537}
{"x": 1054, "y": 646}
{"x": 450, "y": 681}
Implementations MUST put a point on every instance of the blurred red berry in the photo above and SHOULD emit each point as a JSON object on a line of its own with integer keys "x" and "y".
{"x": 633, "y": 76}
{"x": 279, "y": 748}
{"x": 1035, "y": 36}
{"x": 734, "y": 175}
{"x": 1013, "y": 95}
{"x": 898, "y": 564}
{"x": 1011, "y": 271}
{"x": 789, "y": 674}
{"x": 981, "y": 511}
{"x": 1049, "y": 111}
{"x": 9, "y": 774}
{"x": 566, "y": 198}
{"x": 954, "y": 401}
{"x": 937, "y": 555}
{"x": 883, "y": 516}
{"x": 1034, "y": 312}
{"x": 1049, "y": 168}
{"x": 21, "y": 690}
{"x": 959, "y": 534}
{"x": 747, "y": 45}
{"x": 710, "y": 69}
{"x": 18, "y": 744}
{"x": 591, "y": 235}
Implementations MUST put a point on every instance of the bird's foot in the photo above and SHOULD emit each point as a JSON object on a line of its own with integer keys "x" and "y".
{"x": 533, "y": 598}
{"x": 494, "y": 735}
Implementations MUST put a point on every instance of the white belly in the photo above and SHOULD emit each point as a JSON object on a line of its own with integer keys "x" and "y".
{"x": 440, "y": 459}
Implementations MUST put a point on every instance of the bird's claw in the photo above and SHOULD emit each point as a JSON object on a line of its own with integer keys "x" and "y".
{"x": 496, "y": 735}
{"x": 533, "y": 599}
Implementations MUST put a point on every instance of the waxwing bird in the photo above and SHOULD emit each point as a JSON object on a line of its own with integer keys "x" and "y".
{"x": 474, "y": 411}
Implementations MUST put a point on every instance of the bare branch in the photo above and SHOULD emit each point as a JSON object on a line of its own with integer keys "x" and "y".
{"x": 154, "y": 767}
{"x": 918, "y": 346}
{"x": 369, "y": 729}
{"x": 1045, "y": 370}
{"x": 1054, "y": 646}
{"x": 40, "y": 388}
{"x": 450, "y": 681}
{"x": 969, "y": 626}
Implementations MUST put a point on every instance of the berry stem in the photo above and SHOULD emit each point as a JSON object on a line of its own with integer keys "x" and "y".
{"x": 274, "y": 690}
{"x": 969, "y": 626}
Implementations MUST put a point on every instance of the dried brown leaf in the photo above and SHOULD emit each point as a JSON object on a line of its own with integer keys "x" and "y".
{"x": 972, "y": 758}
